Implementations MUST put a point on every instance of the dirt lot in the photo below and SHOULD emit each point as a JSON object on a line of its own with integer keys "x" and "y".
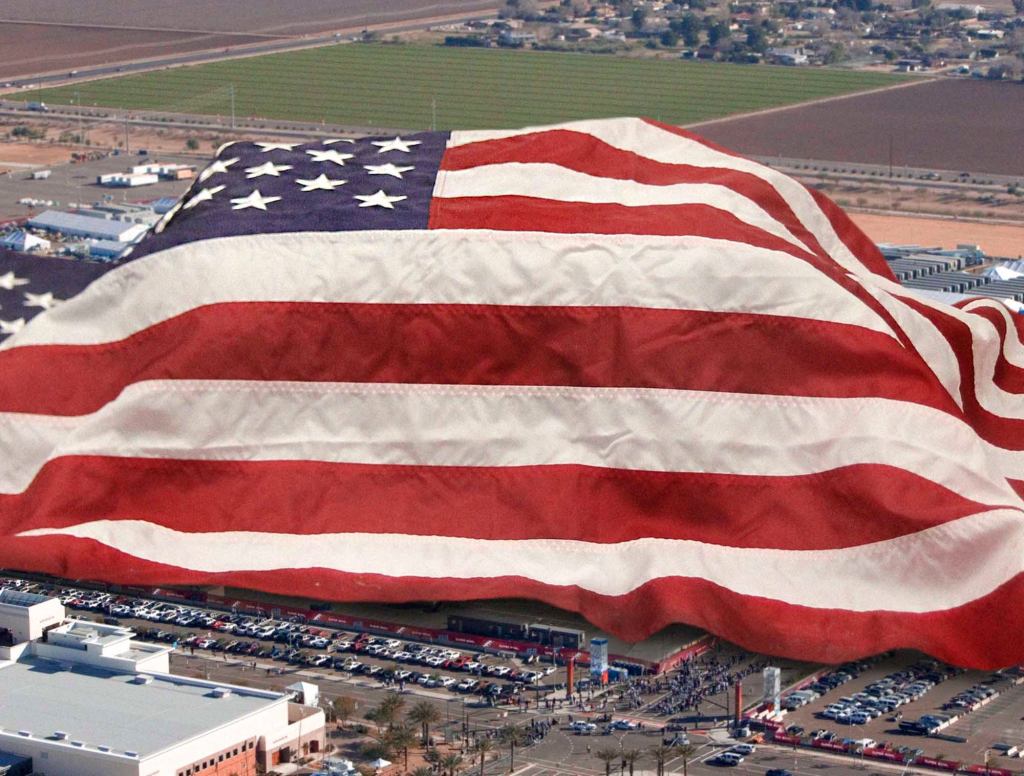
{"x": 943, "y": 124}
{"x": 103, "y": 33}
{"x": 994, "y": 239}
{"x": 57, "y": 143}
{"x": 37, "y": 48}
{"x": 32, "y": 154}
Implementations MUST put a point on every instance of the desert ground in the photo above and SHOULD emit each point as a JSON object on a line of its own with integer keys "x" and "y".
{"x": 995, "y": 239}
{"x": 39, "y": 36}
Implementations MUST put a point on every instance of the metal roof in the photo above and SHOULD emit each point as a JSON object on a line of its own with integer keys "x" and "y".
{"x": 104, "y": 708}
{"x": 88, "y": 226}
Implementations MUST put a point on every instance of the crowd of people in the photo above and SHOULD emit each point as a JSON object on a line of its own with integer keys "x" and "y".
{"x": 693, "y": 683}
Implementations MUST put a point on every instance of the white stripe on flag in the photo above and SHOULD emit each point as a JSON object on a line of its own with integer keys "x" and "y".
{"x": 448, "y": 267}
{"x": 476, "y": 425}
{"x": 986, "y": 345}
{"x": 919, "y": 572}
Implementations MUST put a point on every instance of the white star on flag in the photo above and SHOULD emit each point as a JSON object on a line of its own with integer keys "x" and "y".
{"x": 266, "y": 169}
{"x": 12, "y": 327}
{"x": 332, "y": 141}
{"x": 220, "y": 165}
{"x": 45, "y": 301}
{"x": 255, "y": 199}
{"x": 380, "y": 199}
{"x": 394, "y": 145}
{"x": 386, "y": 169}
{"x": 321, "y": 182}
{"x": 8, "y": 281}
{"x": 202, "y": 196}
{"x": 277, "y": 146}
{"x": 328, "y": 156}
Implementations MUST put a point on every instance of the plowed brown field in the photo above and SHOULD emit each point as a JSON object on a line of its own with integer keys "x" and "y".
{"x": 53, "y": 35}
{"x": 947, "y": 124}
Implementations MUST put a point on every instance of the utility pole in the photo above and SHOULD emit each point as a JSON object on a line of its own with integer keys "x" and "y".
{"x": 78, "y": 99}
{"x": 232, "y": 106}
{"x": 127, "y": 146}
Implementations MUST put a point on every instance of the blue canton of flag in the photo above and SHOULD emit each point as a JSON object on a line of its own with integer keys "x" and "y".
{"x": 29, "y": 286}
{"x": 332, "y": 185}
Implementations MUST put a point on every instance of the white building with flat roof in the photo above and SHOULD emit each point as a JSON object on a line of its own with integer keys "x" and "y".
{"x": 84, "y": 699}
{"x": 26, "y": 616}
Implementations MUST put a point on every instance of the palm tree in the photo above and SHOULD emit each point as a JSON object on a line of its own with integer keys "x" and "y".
{"x": 451, "y": 762}
{"x": 514, "y": 736}
{"x": 388, "y": 710}
{"x": 424, "y": 714}
{"x": 631, "y": 756}
{"x": 608, "y": 756}
{"x": 483, "y": 746}
{"x": 344, "y": 707}
{"x": 686, "y": 751}
{"x": 400, "y": 738}
{"x": 660, "y": 753}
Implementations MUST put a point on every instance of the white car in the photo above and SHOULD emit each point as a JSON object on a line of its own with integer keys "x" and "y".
{"x": 729, "y": 758}
{"x": 744, "y": 749}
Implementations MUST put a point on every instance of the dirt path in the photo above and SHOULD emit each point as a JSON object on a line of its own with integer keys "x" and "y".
{"x": 819, "y": 101}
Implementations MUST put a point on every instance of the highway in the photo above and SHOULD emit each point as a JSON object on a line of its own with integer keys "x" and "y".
{"x": 273, "y": 47}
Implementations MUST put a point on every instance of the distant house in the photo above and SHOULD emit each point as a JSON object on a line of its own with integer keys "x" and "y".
{"x": 972, "y": 10}
{"x": 516, "y": 38}
{"x": 910, "y": 65}
{"x": 787, "y": 56}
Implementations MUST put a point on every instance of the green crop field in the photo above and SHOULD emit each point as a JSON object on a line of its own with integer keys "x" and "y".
{"x": 415, "y": 87}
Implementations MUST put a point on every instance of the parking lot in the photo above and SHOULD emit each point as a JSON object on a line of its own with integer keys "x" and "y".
{"x": 912, "y": 705}
{"x": 280, "y": 646}
{"x": 76, "y": 183}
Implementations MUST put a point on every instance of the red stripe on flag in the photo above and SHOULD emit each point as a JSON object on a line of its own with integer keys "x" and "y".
{"x": 1004, "y": 432}
{"x": 986, "y": 629}
{"x": 843, "y": 507}
{"x": 524, "y": 214}
{"x": 589, "y": 155}
{"x": 851, "y": 235}
{"x": 858, "y": 243}
{"x": 474, "y": 344}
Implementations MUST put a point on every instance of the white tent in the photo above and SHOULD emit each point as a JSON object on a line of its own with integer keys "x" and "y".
{"x": 307, "y": 692}
{"x": 379, "y": 763}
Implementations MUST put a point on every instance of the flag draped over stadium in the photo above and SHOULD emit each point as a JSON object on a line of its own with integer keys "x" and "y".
{"x": 603, "y": 364}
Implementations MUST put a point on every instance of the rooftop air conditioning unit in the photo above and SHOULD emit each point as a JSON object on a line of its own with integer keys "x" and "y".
{"x": 78, "y": 743}
{"x": 142, "y": 679}
{"x": 60, "y": 735}
{"x": 221, "y": 692}
{"x": 103, "y": 748}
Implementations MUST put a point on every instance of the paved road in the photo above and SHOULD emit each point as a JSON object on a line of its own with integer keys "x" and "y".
{"x": 272, "y": 47}
{"x": 918, "y": 177}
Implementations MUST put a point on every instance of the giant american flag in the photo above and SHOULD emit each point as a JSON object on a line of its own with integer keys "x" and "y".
{"x": 604, "y": 364}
